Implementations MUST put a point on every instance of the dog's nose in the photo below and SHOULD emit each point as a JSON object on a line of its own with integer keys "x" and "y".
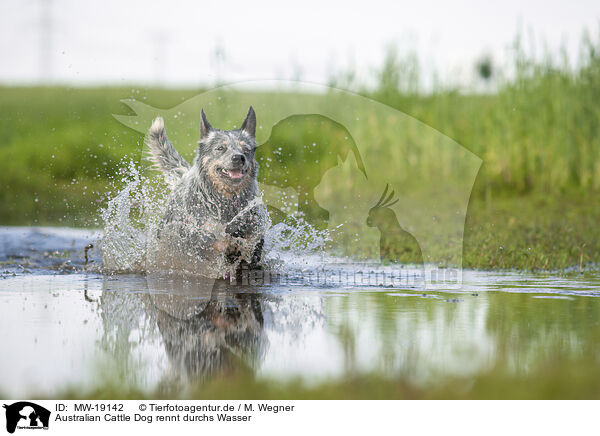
{"x": 238, "y": 159}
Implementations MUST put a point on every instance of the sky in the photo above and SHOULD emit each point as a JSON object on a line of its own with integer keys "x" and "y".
{"x": 195, "y": 43}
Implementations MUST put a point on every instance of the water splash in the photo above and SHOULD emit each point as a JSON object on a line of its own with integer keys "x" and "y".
{"x": 132, "y": 220}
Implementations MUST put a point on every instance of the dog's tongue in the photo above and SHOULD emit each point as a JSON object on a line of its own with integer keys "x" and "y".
{"x": 234, "y": 174}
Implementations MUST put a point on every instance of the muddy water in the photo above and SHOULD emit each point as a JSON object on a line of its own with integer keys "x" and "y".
{"x": 69, "y": 327}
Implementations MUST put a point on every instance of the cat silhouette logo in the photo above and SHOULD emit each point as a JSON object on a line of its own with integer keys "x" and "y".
{"x": 26, "y": 415}
{"x": 385, "y": 186}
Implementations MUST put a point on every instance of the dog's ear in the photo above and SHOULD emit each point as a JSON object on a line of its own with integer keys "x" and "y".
{"x": 249, "y": 124}
{"x": 205, "y": 127}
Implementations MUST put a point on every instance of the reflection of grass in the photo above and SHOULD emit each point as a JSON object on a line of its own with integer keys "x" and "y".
{"x": 557, "y": 378}
{"x": 542, "y": 349}
{"x": 538, "y": 137}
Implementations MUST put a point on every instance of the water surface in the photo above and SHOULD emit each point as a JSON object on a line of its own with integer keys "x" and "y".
{"x": 69, "y": 327}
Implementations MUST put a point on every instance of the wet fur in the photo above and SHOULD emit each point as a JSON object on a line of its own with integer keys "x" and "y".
{"x": 201, "y": 214}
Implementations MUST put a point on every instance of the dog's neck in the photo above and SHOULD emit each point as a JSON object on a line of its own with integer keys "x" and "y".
{"x": 223, "y": 203}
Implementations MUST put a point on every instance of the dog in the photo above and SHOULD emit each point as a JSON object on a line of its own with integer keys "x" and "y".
{"x": 213, "y": 212}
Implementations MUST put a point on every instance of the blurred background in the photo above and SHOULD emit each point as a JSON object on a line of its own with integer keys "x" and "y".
{"x": 517, "y": 83}
{"x": 184, "y": 43}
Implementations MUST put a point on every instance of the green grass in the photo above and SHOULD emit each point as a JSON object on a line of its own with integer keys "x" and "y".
{"x": 539, "y": 131}
{"x": 535, "y": 232}
{"x": 60, "y": 148}
{"x": 532, "y": 204}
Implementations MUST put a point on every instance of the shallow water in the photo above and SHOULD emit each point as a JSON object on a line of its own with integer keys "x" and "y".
{"x": 66, "y": 325}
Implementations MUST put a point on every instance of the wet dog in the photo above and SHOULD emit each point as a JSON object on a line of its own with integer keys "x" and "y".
{"x": 213, "y": 211}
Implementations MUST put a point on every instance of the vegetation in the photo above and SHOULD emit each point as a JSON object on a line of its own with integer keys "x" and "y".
{"x": 538, "y": 135}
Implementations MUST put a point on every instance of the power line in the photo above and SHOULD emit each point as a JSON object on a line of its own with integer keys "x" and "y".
{"x": 46, "y": 30}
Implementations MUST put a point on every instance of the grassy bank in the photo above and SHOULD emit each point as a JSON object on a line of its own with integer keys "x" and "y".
{"x": 533, "y": 232}
{"x": 533, "y": 204}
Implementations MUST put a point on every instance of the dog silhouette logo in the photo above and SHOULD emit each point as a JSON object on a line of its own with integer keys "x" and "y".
{"x": 26, "y": 415}
{"x": 325, "y": 158}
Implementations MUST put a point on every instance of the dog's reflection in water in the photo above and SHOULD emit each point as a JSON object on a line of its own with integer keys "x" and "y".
{"x": 207, "y": 327}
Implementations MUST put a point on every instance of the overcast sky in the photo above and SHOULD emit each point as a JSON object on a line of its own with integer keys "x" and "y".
{"x": 183, "y": 43}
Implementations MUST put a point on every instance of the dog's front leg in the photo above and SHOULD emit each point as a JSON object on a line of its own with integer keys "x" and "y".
{"x": 206, "y": 244}
{"x": 257, "y": 253}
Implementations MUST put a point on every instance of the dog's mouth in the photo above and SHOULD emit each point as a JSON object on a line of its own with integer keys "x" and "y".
{"x": 234, "y": 175}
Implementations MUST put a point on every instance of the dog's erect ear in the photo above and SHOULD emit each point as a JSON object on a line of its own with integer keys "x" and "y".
{"x": 249, "y": 124}
{"x": 205, "y": 127}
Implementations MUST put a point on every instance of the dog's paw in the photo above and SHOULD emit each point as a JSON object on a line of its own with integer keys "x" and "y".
{"x": 232, "y": 254}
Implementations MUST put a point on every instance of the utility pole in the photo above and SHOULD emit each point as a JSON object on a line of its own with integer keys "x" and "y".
{"x": 46, "y": 29}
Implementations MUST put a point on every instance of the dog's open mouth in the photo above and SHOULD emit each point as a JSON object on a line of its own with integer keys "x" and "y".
{"x": 234, "y": 174}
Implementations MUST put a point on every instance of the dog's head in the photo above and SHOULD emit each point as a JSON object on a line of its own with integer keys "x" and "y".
{"x": 227, "y": 156}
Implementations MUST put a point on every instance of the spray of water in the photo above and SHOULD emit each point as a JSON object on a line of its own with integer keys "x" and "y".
{"x": 130, "y": 219}
{"x": 132, "y": 225}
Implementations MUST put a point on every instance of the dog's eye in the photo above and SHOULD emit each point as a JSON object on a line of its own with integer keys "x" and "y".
{"x": 221, "y": 148}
